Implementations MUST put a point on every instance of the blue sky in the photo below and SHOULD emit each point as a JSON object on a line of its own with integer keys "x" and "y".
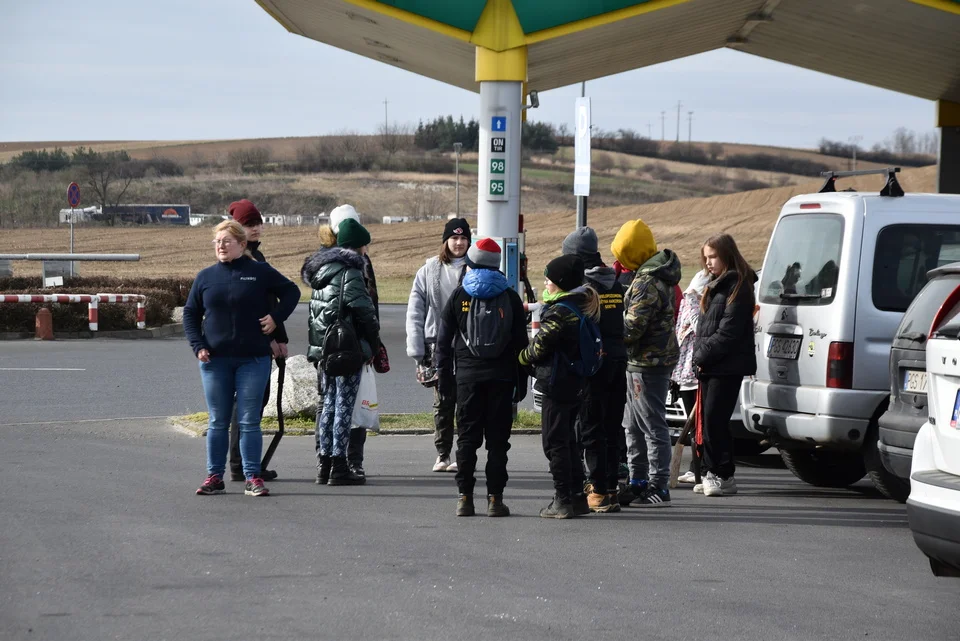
{"x": 211, "y": 69}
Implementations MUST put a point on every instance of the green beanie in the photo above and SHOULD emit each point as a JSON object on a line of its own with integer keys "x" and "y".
{"x": 352, "y": 235}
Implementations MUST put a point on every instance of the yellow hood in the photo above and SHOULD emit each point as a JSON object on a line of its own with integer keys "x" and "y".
{"x": 634, "y": 244}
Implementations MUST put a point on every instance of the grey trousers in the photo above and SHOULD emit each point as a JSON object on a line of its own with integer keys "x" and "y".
{"x": 645, "y": 423}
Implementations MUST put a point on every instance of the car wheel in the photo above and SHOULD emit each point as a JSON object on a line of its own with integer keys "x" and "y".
{"x": 749, "y": 447}
{"x": 889, "y": 484}
{"x": 824, "y": 469}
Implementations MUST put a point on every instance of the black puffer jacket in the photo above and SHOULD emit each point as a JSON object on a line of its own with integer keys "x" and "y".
{"x": 724, "y": 345}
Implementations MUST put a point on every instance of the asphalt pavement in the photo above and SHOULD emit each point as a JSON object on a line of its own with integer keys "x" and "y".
{"x": 102, "y": 536}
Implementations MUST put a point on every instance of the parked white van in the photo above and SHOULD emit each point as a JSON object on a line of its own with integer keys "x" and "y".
{"x": 840, "y": 270}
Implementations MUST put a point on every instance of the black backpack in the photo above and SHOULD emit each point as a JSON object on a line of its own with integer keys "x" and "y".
{"x": 591, "y": 345}
{"x": 341, "y": 354}
{"x": 489, "y": 323}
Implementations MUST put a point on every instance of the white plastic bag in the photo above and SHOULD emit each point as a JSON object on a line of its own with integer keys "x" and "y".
{"x": 366, "y": 410}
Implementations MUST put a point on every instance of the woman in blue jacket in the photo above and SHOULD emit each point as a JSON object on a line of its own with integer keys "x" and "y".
{"x": 228, "y": 322}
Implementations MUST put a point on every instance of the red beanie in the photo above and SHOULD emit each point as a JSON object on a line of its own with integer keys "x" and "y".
{"x": 246, "y": 213}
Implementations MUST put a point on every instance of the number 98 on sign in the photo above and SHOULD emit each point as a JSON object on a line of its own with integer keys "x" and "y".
{"x": 497, "y": 166}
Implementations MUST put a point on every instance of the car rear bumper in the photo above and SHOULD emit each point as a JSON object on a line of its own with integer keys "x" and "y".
{"x": 897, "y": 460}
{"x": 933, "y": 508}
{"x": 814, "y": 416}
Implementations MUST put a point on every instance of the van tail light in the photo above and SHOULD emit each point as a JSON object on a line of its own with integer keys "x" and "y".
{"x": 948, "y": 305}
{"x": 840, "y": 366}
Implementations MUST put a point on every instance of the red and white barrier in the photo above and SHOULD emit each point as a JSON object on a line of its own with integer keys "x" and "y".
{"x": 139, "y": 299}
{"x": 92, "y": 301}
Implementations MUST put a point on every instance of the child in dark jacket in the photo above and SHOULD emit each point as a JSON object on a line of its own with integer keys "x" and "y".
{"x": 552, "y": 353}
{"x": 600, "y": 434}
{"x": 486, "y": 376}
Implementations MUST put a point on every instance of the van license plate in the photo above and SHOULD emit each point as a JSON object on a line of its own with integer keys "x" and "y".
{"x": 915, "y": 381}
{"x": 783, "y": 347}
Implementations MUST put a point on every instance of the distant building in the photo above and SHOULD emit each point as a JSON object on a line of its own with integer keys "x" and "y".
{"x": 390, "y": 220}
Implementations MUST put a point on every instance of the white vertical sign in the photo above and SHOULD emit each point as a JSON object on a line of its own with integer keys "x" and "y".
{"x": 581, "y": 171}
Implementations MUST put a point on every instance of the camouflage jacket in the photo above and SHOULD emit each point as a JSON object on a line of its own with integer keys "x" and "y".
{"x": 648, "y": 319}
{"x": 555, "y": 346}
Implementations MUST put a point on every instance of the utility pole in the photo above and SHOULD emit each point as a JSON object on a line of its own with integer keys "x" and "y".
{"x": 649, "y": 131}
{"x": 679, "y": 104}
{"x": 582, "y": 200}
{"x": 689, "y": 132}
{"x": 457, "y": 148}
{"x": 854, "y": 140}
{"x": 386, "y": 121}
{"x": 663, "y": 125}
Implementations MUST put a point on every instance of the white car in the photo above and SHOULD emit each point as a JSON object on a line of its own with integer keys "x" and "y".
{"x": 933, "y": 507}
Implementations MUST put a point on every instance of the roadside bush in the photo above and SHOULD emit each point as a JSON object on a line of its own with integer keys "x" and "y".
{"x": 163, "y": 294}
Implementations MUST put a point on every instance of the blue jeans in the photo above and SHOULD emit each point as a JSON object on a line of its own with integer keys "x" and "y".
{"x": 334, "y": 416}
{"x": 645, "y": 423}
{"x": 224, "y": 378}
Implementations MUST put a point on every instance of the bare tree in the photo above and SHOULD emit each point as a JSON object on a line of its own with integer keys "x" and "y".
{"x": 393, "y": 139}
{"x": 107, "y": 174}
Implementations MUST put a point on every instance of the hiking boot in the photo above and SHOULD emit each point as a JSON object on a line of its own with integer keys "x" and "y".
{"x": 600, "y": 502}
{"x": 495, "y": 506}
{"x": 443, "y": 462}
{"x": 323, "y": 470}
{"x": 237, "y": 475}
{"x": 580, "y": 507}
{"x": 614, "y": 499}
{"x": 653, "y": 497}
{"x": 357, "y": 468}
{"x": 687, "y": 477}
{"x": 465, "y": 505}
{"x": 255, "y": 487}
{"x": 560, "y": 508}
{"x": 341, "y": 474}
{"x": 212, "y": 485}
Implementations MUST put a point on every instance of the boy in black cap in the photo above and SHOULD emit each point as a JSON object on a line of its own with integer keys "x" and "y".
{"x": 552, "y": 353}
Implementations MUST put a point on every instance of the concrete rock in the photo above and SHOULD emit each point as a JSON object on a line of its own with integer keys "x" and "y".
{"x": 299, "y": 388}
{"x": 177, "y": 315}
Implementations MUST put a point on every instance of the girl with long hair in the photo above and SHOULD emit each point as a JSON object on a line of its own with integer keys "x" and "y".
{"x": 723, "y": 354}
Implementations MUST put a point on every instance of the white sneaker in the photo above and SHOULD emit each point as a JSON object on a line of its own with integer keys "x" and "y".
{"x": 687, "y": 477}
{"x": 711, "y": 485}
{"x": 698, "y": 488}
{"x": 442, "y": 464}
{"x": 716, "y": 486}
{"x": 453, "y": 467}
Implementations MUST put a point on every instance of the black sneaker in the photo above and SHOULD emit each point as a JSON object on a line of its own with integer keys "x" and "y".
{"x": 559, "y": 508}
{"x": 465, "y": 505}
{"x": 653, "y": 497}
{"x": 255, "y": 487}
{"x": 495, "y": 506}
{"x": 212, "y": 485}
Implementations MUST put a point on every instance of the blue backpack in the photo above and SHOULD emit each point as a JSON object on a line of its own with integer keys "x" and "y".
{"x": 591, "y": 345}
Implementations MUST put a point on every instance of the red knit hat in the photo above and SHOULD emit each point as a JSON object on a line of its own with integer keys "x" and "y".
{"x": 485, "y": 254}
{"x": 246, "y": 213}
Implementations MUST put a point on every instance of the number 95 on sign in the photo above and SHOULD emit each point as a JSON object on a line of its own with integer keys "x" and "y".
{"x": 497, "y": 188}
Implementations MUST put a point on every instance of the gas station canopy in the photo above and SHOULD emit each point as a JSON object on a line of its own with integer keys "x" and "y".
{"x": 910, "y": 46}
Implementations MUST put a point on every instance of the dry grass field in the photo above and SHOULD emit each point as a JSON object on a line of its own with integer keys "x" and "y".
{"x": 399, "y": 250}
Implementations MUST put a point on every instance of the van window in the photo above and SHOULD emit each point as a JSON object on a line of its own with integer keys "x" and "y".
{"x": 803, "y": 261}
{"x": 904, "y": 255}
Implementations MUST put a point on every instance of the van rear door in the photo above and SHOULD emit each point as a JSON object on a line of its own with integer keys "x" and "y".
{"x": 800, "y": 295}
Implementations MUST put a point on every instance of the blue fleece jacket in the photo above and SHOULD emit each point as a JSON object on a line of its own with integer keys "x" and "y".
{"x": 228, "y": 300}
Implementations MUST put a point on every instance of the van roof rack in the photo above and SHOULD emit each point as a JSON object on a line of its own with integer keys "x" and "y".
{"x": 892, "y": 188}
